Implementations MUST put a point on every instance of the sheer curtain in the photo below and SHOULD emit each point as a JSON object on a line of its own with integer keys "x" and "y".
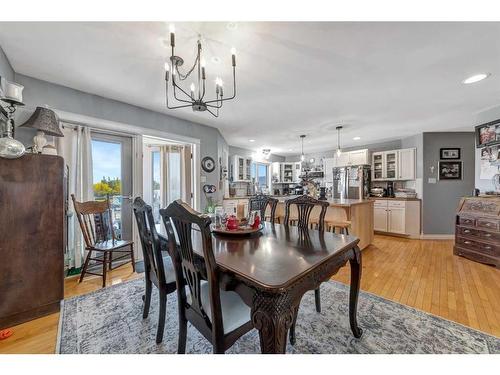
{"x": 76, "y": 149}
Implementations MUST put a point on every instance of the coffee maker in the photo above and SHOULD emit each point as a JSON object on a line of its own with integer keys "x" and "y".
{"x": 390, "y": 189}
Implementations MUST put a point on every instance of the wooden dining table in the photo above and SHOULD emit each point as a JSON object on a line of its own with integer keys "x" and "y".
{"x": 273, "y": 269}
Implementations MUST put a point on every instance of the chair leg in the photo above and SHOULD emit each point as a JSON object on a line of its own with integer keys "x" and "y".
{"x": 317, "y": 299}
{"x": 347, "y": 231}
{"x": 181, "y": 344}
{"x": 104, "y": 261}
{"x": 132, "y": 256}
{"x": 85, "y": 265}
{"x": 161, "y": 318}
{"x": 147, "y": 298}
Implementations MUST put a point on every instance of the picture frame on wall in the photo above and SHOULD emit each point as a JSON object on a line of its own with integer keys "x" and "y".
{"x": 450, "y": 170}
{"x": 449, "y": 153}
{"x": 488, "y": 134}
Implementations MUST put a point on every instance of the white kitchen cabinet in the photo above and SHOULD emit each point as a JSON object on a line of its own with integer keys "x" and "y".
{"x": 297, "y": 171}
{"x": 241, "y": 169}
{"x": 288, "y": 171}
{"x": 406, "y": 164}
{"x": 357, "y": 157}
{"x": 380, "y": 218}
{"x": 393, "y": 165}
{"x": 276, "y": 172}
{"x": 328, "y": 165}
{"x": 397, "y": 216}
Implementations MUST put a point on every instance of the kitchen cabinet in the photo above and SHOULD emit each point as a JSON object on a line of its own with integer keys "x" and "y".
{"x": 241, "y": 170}
{"x": 393, "y": 165}
{"x": 397, "y": 216}
{"x": 297, "y": 171}
{"x": 286, "y": 172}
{"x": 406, "y": 164}
{"x": 328, "y": 165}
{"x": 357, "y": 157}
{"x": 276, "y": 172}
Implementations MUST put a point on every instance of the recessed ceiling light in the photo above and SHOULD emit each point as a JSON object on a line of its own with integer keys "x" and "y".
{"x": 251, "y": 140}
{"x": 476, "y": 78}
{"x": 356, "y": 138}
{"x": 216, "y": 60}
{"x": 231, "y": 26}
{"x": 290, "y": 149}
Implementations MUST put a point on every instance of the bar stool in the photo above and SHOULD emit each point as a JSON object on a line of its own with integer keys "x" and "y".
{"x": 342, "y": 225}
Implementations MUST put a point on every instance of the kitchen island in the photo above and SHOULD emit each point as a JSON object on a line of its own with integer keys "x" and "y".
{"x": 358, "y": 211}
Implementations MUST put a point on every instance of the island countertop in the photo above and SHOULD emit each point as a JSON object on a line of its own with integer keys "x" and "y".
{"x": 334, "y": 202}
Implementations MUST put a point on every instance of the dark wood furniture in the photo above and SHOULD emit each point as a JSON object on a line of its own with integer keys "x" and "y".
{"x": 477, "y": 230}
{"x": 221, "y": 316}
{"x": 96, "y": 223}
{"x": 32, "y": 224}
{"x": 158, "y": 267}
{"x": 260, "y": 203}
{"x": 305, "y": 204}
{"x": 272, "y": 271}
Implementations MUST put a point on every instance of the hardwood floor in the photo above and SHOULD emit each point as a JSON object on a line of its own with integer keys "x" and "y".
{"x": 420, "y": 273}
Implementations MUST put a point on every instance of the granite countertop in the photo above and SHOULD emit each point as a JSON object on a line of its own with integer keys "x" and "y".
{"x": 333, "y": 202}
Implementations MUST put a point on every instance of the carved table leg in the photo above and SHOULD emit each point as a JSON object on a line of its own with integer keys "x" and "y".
{"x": 292, "y": 328}
{"x": 355, "y": 263}
{"x": 272, "y": 315}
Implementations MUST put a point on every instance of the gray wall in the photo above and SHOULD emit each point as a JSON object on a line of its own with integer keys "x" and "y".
{"x": 38, "y": 92}
{"x": 5, "y": 67}
{"x": 233, "y": 150}
{"x": 482, "y": 117}
{"x": 440, "y": 200}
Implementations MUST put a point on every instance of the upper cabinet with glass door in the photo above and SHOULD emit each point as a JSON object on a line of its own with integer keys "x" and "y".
{"x": 393, "y": 165}
{"x": 241, "y": 171}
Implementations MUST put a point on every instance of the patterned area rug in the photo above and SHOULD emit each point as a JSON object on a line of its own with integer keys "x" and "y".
{"x": 110, "y": 321}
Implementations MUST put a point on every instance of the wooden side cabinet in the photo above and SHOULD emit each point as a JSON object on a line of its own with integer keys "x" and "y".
{"x": 477, "y": 230}
{"x": 32, "y": 227}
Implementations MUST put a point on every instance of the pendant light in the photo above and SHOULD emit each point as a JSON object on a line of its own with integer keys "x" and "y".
{"x": 302, "y": 156}
{"x": 339, "y": 151}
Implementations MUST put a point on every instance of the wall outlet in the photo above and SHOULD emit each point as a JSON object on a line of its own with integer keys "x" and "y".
{"x": 431, "y": 180}
{"x": 203, "y": 179}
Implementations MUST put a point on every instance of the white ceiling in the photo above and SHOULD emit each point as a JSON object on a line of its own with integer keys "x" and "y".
{"x": 380, "y": 80}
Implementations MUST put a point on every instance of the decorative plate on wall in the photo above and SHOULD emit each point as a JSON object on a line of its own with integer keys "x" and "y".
{"x": 208, "y": 164}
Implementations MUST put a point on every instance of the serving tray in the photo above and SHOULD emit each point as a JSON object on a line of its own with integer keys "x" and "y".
{"x": 241, "y": 231}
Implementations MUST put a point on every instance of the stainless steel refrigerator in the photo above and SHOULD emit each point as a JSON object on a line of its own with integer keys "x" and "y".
{"x": 352, "y": 182}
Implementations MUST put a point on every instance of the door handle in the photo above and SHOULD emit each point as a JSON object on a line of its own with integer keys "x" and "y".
{"x": 129, "y": 197}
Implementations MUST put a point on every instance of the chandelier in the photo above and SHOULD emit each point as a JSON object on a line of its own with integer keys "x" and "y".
{"x": 196, "y": 98}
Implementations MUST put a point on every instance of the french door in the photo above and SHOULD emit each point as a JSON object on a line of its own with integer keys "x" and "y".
{"x": 112, "y": 160}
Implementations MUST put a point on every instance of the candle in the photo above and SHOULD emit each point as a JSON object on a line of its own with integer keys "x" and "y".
{"x": 172, "y": 35}
{"x": 233, "y": 56}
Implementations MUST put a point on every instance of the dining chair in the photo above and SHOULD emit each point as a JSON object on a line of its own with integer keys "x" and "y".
{"x": 96, "y": 224}
{"x": 304, "y": 205}
{"x": 220, "y": 316}
{"x": 260, "y": 203}
{"x": 158, "y": 267}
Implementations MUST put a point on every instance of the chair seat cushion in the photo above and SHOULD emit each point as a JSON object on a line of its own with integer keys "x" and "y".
{"x": 235, "y": 312}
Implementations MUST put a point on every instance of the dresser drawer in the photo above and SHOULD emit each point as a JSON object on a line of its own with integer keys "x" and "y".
{"x": 466, "y": 221}
{"x": 481, "y": 247}
{"x": 490, "y": 224}
{"x": 490, "y": 236}
{"x": 476, "y": 256}
{"x": 397, "y": 204}
{"x": 468, "y": 232}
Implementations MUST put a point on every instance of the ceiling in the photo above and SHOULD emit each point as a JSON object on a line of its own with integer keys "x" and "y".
{"x": 380, "y": 80}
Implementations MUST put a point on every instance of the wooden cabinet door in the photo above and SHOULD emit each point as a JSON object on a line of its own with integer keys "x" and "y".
{"x": 380, "y": 219}
{"x": 378, "y": 166}
{"x": 406, "y": 164}
{"x": 396, "y": 220}
{"x": 358, "y": 157}
{"x": 390, "y": 165}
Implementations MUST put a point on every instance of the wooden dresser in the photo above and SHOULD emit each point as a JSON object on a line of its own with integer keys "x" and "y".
{"x": 477, "y": 230}
{"x": 31, "y": 237}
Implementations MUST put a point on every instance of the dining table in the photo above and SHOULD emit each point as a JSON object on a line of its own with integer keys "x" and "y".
{"x": 272, "y": 270}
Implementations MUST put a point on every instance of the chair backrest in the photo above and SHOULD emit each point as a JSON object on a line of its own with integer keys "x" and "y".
{"x": 150, "y": 242}
{"x": 95, "y": 220}
{"x": 179, "y": 219}
{"x": 305, "y": 205}
{"x": 260, "y": 203}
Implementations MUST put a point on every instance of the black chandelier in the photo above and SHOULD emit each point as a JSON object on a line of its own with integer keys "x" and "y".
{"x": 196, "y": 98}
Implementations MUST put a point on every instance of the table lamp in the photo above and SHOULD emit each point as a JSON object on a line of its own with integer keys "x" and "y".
{"x": 45, "y": 121}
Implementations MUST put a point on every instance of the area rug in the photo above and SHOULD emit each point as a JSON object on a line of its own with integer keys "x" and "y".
{"x": 110, "y": 321}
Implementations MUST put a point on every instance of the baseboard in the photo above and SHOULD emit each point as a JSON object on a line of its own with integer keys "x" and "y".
{"x": 437, "y": 236}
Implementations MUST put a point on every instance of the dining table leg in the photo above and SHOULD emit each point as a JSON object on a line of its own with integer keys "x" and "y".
{"x": 355, "y": 262}
{"x": 272, "y": 316}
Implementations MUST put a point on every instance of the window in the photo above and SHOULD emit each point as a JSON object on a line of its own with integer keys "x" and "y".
{"x": 260, "y": 174}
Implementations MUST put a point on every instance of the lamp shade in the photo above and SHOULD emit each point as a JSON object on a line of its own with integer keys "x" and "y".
{"x": 44, "y": 119}
{"x": 11, "y": 92}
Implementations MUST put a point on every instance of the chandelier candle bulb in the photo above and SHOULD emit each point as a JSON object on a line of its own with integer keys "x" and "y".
{"x": 172, "y": 35}
{"x": 167, "y": 69}
{"x": 192, "y": 90}
{"x": 233, "y": 56}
